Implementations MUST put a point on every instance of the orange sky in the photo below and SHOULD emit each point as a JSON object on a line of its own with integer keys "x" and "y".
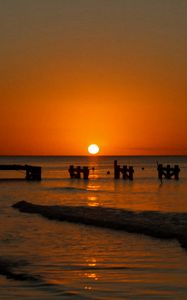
{"x": 80, "y": 72}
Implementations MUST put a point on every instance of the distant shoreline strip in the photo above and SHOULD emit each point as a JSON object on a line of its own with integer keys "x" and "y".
{"x": 152, "y": 223}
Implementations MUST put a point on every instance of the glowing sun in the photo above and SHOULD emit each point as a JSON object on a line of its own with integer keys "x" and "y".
{"x": 93, "y": 149}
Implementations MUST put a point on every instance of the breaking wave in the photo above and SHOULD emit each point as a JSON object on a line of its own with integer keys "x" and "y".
{"x": 156, "y": 224}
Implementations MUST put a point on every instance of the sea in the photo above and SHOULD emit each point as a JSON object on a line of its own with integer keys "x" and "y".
{"x": 61, "y": 260}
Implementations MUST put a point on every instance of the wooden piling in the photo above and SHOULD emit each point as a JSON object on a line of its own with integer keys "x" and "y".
{"x": 124, "y": 172}
{"x": 127, "y": 172}
{"x": 131, "y": 172}
{"x": 168, "y": 172}
{"x": 78, "y": 172}
{"x": 176, "y": 172}
{"x": 159, "y": 168}
{"x": 85, "y": 172}
{"x": 71, "y": 171}
{"x": 116, "y": 170}
{"x": 75, "y": 172}
{"x": 32, "y": 172}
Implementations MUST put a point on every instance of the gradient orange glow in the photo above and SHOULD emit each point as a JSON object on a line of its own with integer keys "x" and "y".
{"x": 71, "y": 74}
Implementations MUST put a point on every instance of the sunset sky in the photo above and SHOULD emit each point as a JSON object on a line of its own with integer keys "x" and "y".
{"x": 76, "y": 72}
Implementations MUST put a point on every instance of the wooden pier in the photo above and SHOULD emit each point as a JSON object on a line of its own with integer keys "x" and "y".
{"x": 75, "y": 172}
{"x": 127, "y": 172}
{"x": 168, "y": 172}
{"x": 32, "y": 172}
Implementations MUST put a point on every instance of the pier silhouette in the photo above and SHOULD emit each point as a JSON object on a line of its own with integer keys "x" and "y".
{"x": 32, "y": 172}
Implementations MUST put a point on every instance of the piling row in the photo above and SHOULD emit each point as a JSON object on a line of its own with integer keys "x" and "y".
{"x": 127, "y": 172}
{"x": 168, "y": 172}
{"x": 75, "y": 172}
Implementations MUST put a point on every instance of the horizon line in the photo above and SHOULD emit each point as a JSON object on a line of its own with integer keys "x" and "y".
{"x": 98, "y": 155}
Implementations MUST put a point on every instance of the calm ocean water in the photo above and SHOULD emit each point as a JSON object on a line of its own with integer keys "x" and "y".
{"x": 71, "y": 261}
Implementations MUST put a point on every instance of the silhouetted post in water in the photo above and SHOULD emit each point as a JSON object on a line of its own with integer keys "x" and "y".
{"x": 33, "y": 173}
{"x": 71, "y": 171}
{"x": 78, "y": 172}
{"x": 127, "y": 172}
{"x": 168, "y": 172}
{"x": 85, "y": 172}
{"x": 159, "y": 168}
{"x": 75, "y": 172}
{"x": 131, "y": 172}
{"x": 176, "y": 172}
{"x": 116, "y": 170}
{"x": 124, "y": 172}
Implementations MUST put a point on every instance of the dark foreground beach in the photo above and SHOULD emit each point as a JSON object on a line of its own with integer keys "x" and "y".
{"x": 152, "y": 223}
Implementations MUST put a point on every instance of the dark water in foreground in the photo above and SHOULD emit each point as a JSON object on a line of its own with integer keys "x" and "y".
{"x": 71, "y": 261}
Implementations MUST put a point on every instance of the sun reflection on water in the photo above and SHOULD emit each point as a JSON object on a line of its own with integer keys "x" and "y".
{"x": 90, "y": 276}
{"x": 92, "y": 201}
{"x": 93, "y": 187}
{"x": 92, "y": 263}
